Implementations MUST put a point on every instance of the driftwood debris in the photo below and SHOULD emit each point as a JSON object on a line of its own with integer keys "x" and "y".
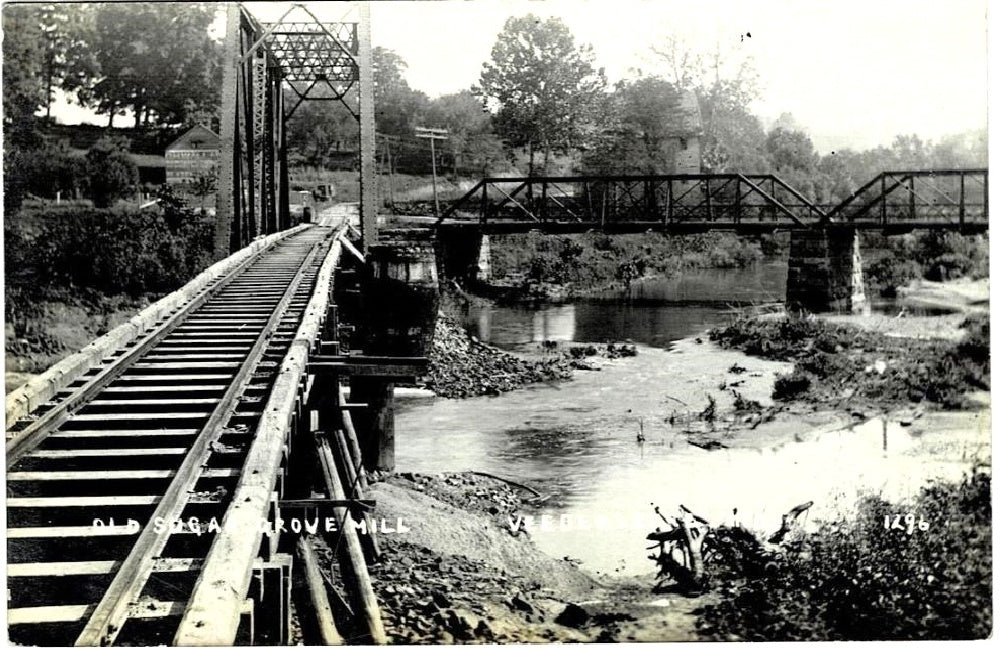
{"x": 690, "y": 542}
{"x": 681, "y": 549}
{"x": 788, "y": 522}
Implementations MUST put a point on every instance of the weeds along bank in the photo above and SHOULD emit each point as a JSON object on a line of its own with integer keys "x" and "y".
{"x": 915, "y": 570}
{"x": 840, "y": 366}
{"x": 542, "y": 267}
{"x": 74, "y": 271}
{"x": 894, "y": 261}
{"x": 533, "y": 263}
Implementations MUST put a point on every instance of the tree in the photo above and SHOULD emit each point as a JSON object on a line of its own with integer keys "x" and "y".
{"x": 639, "y": 130}
{"x": 726, "y": 83}
{"x": 791, "y": 155}
{"x": 70, "y": 64}
{"x": 156, "y": 59}
{"x": 113, "y": 174}
{"x": 23, "y": 72}
{"x": 470, "y": 133}
{"x": 398, "y": 107}
{"x": 541, "y": 84}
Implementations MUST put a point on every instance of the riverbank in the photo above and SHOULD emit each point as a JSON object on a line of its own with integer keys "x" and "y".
{"x": 462, "y": 366}
{"x": 843, "y": 367}
{"x": 535, "y": 267}
{"x": 757, "y": 461}
{"x": 460, "y": 575}
{"x": 453, "y": 571}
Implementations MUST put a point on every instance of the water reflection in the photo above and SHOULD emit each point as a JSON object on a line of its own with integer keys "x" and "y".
{"x": 653, "y": 312}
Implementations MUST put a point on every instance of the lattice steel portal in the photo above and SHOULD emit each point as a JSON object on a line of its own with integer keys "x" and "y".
{"x": 316, "y": 61}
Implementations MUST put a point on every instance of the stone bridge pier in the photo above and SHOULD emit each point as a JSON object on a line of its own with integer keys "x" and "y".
{"x": 463, "y": 254}
{"x": 824, "y": 271}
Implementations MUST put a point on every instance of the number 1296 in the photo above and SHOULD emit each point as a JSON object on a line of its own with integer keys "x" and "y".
{"x": 908, "y": 523}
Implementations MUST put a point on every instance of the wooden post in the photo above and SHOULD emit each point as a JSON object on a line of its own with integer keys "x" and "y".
{"x": 434, "y": 180}
{"x": 321, "y": 607}
{"x": 378, "y": 434}
{"x": 352, "y": 562}
{"x": 353, "y": 474}
{"x": 433, "y": 134}
{"x": 347, "y": 425}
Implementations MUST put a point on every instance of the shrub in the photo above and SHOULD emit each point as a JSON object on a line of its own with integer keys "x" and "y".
{"x": 14, "y": 182}
{"x": 856, "y": 580}
{"x": 120, "y": 250}
{"x": 788, "y": 387}
{"x": 113, "y": 174}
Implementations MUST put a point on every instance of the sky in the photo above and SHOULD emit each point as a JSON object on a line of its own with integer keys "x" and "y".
{"x": 852, "y": 73}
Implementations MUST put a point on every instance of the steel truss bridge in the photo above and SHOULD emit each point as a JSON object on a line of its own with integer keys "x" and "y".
{"x": 314, "y": 61}
{"x": 953, "y": 199}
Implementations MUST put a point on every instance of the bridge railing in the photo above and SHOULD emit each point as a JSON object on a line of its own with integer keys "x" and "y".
{"x": 680, "y": 199}
{"x": 941, "y": 197}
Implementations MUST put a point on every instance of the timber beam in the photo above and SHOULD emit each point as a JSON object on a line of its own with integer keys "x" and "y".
{"x": 394, "y": 368}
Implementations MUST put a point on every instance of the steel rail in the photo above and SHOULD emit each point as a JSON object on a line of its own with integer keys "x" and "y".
{"x": 110, "y": 613}
{"x": 29, "y": 438}
{"x": 211, "y": 615}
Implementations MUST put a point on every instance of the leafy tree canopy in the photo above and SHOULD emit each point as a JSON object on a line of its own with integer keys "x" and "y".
{"x": 541, "y": 84}
{"x": 156, "y": 59}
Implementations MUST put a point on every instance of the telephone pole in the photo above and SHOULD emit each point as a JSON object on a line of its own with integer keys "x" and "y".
{"x": 433, "y": 134}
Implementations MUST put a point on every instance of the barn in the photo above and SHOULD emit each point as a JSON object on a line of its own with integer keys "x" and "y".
{"x": 193, "y": 154}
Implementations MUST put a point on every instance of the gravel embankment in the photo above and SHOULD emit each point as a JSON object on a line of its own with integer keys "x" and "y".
{"x": 462, "y": 366}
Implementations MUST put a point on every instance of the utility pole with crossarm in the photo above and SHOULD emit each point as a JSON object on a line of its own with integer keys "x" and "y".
{"x": 433, "y": 134}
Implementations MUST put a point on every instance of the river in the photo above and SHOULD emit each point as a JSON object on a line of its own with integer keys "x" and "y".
{"x": 577, "y": 440}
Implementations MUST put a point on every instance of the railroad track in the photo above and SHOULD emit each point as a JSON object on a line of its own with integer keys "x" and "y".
{"x": 99, "y": 477}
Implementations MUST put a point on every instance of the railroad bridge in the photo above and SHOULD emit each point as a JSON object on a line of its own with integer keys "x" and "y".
{"x": 148, "y": 473}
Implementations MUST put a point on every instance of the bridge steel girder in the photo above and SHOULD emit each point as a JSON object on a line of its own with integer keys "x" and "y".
{"x": 252, "y": 164}
{"x": 679, "y": 200}
{"x": 956, "y": 198}
{"x": 260, "y": 61}
{"x": 893, "y": 201}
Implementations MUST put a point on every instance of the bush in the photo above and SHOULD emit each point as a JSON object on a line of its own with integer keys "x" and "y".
{"x": 788, "y": 387}
{"x": 14, "y": 183}
{"x": 856, "y": 580}
{"x": 113, "y": 174}
{"x": 118, "y": 250}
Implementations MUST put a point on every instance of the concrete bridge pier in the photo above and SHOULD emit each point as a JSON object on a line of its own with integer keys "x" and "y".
{"x": 463, "y": 254}
{"x": 398, "y": 314}
{"x": 824, "y": 271}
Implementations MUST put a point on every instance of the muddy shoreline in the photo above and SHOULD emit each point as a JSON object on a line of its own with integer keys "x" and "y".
{"x": 476, "y": 582}
{"x": 458, "y": 574}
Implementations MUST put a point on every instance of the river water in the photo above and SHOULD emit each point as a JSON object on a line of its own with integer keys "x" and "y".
{"x": 577, "y": 440}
